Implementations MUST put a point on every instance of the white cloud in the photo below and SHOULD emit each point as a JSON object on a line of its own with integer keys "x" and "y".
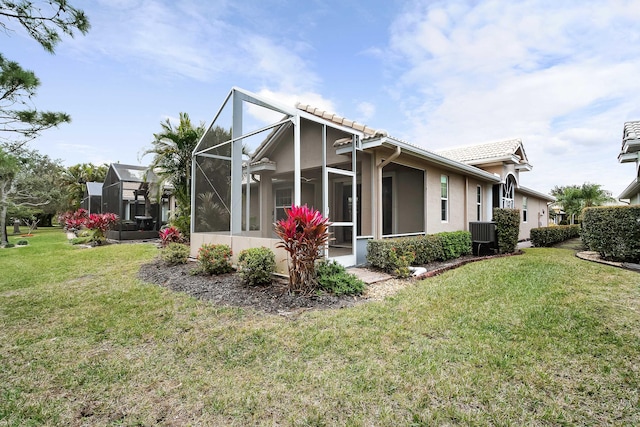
{"x": 366, "y": 110}
{"x": 561, "y": 76}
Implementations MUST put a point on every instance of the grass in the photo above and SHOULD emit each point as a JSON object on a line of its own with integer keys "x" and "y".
{"x": 538, "y": 339}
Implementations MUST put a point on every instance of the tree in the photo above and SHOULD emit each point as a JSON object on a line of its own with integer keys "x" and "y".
{"x": 172, "y": 149}
{"x": 20, "y": 122}
{"x": 74, "y": 180}
{"x": 9, "y": 167}
{"x": 594, "y": 195}
{"x": 28, "y": 187}
{"x": 573, "y": 198}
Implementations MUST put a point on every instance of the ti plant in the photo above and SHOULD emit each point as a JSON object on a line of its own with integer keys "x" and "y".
{"x": 304, "y": 233}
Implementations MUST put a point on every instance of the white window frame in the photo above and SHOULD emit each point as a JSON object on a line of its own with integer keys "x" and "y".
{"x": 525, "y": 202}
{"x": 479, "y": 203}
{"x": 277, "y": 206}
{"x": 444, "y": 199}
{"x": 508, "y": 193}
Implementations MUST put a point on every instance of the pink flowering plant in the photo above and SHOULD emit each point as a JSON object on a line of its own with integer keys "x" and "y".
{"x": 99, "y": 224}
{"x": 304, "y": 233}
{"x": 170, "y": 235}
{"x": 73, "y": 220}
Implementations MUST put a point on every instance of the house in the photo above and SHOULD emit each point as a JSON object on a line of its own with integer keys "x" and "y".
{"x": 92, "y": 198}
{"x": 132, "y": 193}
{"x": 630, "y": 153}
{"x": 368, "y": 183}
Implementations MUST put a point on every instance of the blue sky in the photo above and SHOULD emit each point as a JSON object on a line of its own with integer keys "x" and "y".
{"x": 562, "y": 76}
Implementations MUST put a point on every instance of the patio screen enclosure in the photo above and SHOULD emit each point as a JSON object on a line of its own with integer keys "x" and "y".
{"x": 123, "y": 193}
{"x": 92, "y": 199}
{"x": 257, "y": 159}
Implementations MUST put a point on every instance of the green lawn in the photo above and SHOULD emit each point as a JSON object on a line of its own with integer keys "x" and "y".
{"x": 538, "y": 339}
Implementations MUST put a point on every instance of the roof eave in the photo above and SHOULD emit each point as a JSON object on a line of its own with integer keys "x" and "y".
{"x": 428, "y": 155}
{"x": 631, "y": 190}
{"x": 537, "y": 194}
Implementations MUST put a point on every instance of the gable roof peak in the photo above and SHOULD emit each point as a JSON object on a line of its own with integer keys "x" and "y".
{"x": 505, "y": 150}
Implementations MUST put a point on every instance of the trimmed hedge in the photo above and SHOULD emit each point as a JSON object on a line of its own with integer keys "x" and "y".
{"x": 392, "y": 254}
{"x": 508, "y": 228}
{"x": 549, "y": 236}
{"x": 613, "y": 232}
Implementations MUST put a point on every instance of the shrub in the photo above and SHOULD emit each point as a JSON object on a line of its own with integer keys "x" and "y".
{"x": 397, "y": 254}
{"x": 549, "y": 236}
{"x": 214, "y": 259}
{"x": 400, "y": 260}
{"x": 303, "y": 234}
{"x": 455, "y": 244}
{"x": 175, "y": 253}
{"x": 22, "y": 242}
{"x": 334, "y": 278}
{"x": 170, "y": 235}
{"x": 508, "y": 228}
{"x": 73, "y": 220}
{"x": 100, "y": 224}
{"x": 256, "y": 265}
{"x": 613, "y": 232}
{"x": 183, "y": 223}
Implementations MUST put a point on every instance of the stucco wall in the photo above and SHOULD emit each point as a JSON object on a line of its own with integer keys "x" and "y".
{"x": 537, "y": 214}
{"x": 239, "y": 243}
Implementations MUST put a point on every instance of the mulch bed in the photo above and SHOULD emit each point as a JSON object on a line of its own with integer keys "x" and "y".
{"x": 228, "y": 289}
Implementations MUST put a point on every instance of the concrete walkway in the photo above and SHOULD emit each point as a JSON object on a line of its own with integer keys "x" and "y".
{"x": 369, "y": 276}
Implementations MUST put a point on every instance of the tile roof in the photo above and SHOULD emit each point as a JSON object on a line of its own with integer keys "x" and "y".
{"x": 631, "y": 131}
{"x": 490, "y": 150}
{"x": 337, "y": 119}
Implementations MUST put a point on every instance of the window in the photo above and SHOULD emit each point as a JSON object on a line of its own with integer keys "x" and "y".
{"x": 444, "y": 197}
{"x": 524, "y": 209}
{"x": 283, "y": 200}
{"x": 508, "y": 191}
{"x": 479, "y": 203}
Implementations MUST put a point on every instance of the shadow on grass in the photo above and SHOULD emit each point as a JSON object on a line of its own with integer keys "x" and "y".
{"x": 572, "y": 244}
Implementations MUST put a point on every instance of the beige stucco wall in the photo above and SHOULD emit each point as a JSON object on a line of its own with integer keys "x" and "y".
{"x": 537, "y": 216}
{"x": 457, "y": 212}
{"x": 239, "y": 243}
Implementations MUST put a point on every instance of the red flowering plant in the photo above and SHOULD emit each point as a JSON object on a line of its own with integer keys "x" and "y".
{"x": 303, "y": 234}
{"x": 170, "y": 235}
{"x": 74, "y": 220}
{"x": 100, "y": 224}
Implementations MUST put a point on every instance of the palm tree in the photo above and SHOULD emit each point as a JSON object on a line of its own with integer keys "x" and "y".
{"x": 574, "y": 199}
{"x": 172, "y": 148}
{"x": 594, "y": 195}
{"x": 74, "y": 180}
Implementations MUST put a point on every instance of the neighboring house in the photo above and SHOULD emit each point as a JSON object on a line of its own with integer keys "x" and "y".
{"x": 630, "y": 153}
{"x": 368, "y": 183}
{"x": 132, "y": 193}
{"x": 92, "y": 199}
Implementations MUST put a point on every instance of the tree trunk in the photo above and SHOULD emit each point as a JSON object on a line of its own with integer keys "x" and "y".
{"x": 4, "y": 190}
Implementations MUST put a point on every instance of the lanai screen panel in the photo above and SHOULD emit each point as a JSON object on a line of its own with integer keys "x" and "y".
{"x": 212, "y": 182}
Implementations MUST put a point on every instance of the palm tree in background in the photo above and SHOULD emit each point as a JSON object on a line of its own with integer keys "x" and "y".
{"x": 75, "y": 178}
{"x": 574, "y": 198}
{"x": 172, "y": 148}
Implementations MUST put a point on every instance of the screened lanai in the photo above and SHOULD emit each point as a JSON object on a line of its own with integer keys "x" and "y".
{"x": 132, "y": 193}
{"x": 258, "y": 158}
{"x": 92, "y": 198}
